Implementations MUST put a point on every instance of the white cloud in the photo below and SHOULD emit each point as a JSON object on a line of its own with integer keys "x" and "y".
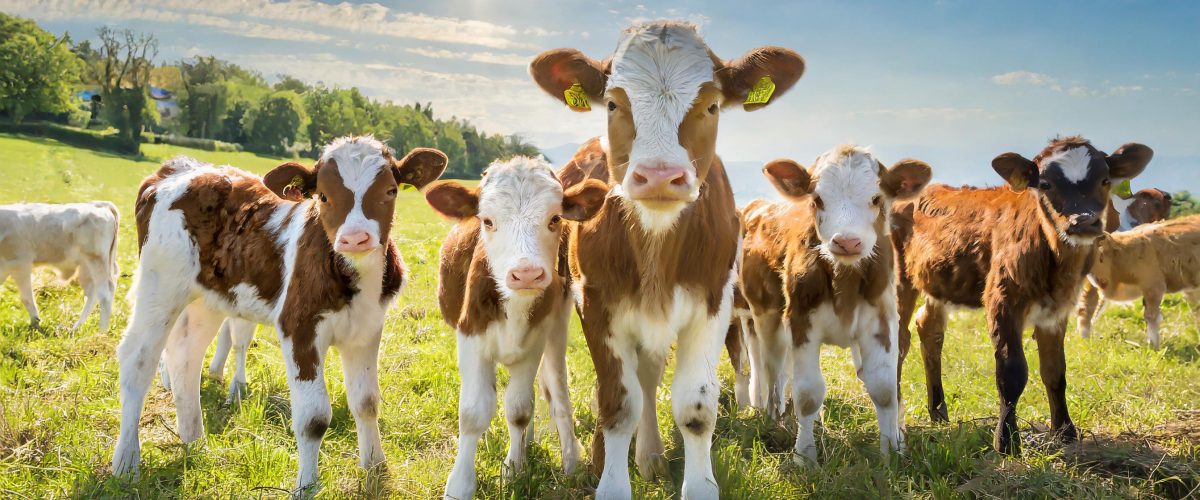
{"x": 942, "y": 114}
{"x": 1028, "y": 78}
{"x": 1124, "y": 89}
{"x": 256, "y": 30}
{"x": 482, "y": 57}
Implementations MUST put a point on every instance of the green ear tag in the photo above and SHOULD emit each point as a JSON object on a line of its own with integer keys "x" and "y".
{"x": 576, "y": 98}
{"x": 1123, "y": 190}
{"x": 761, "y": 92}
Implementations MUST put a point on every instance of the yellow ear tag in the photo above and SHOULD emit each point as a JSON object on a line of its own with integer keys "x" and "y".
{"x": 1123, "y": 190}
{"x": 404, "y": 186}
{"x": 761, "y": 92}
{"x": 576, "y": 98}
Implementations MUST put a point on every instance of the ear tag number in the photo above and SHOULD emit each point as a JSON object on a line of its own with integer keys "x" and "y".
{"x": 761, "y": 92}
{"x": 576, "y": 98}
{"x": 1123, "y": 190}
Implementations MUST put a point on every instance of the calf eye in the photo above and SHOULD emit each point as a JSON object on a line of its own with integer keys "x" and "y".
{"x": 1106, "y": 182}
{"x": 612, "y": 106}
{"x": 322, "y": 197}
{"x": 1044, "y": 186}
{"x": 554, "y": 221}
{"x": 820, "y": 204}
{"x": 487, "y": 222}
{"x": 713, "y": 109}
{"x": 876, "y": 200}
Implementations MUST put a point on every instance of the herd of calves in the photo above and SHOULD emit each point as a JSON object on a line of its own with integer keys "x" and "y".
{"x": 638, "y": 234}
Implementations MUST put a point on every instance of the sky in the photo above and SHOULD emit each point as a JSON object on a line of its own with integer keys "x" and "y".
{"x": 951, "y": 82}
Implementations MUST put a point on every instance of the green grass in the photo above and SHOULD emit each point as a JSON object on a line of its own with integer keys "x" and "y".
{"x": 1139, "y": 409}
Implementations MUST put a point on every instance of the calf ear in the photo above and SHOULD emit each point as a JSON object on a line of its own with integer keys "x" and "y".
{"x": 1129, "y": 160}
{"x": 557, "y": 70}
{"x": 788, "y": 177}
{"x": 419, "y": 167}
{"x": 905, "y": 179}
{"x": 453, "y": 200}
{"x": 1017, "y": 170}
{"x": 291, "y": 181}
{"x": 783, "y": 66}
{"x": 583, "y": 200}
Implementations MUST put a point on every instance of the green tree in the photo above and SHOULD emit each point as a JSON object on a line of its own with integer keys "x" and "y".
{"x": 38, "y": 71}
{"x": 1183, "y": 203}
{"x": 121, "y": 68}
{"x": 274, "y": 123}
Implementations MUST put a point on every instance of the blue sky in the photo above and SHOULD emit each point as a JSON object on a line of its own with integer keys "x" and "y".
{"x": 951, "y": 82}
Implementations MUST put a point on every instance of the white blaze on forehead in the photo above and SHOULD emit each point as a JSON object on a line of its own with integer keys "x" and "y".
{"x": 519, "y": 196}
{"x": 1074, "y": 163}
{"x": 661, "y": 68}
{"x": 359, "y": 161}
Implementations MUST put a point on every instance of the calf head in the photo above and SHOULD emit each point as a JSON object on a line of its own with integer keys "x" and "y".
{"x": 1149, "y": 205}
{"x": 851, "y": 195}
{"x": 1073, "y": 179}
{"x": 355, "y": 184}
{"x": 663, "y": 89}
{"x": 520, "y": 205}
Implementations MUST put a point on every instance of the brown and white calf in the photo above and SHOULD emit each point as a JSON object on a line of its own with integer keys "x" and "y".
{"x": 817, "y": 269}
{"x": 1019, "y": 252}
{"x": 1145, "y": 206}
{"x": 501, "y": 287}
{"x": 1148, "y": 262}
{"x": 235, "y": 334}
{"x": 656, "y": 266}
{"x": 76, "y": 239}
{"x": 217, "y": 242}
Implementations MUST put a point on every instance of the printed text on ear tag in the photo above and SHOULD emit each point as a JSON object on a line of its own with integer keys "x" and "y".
{"x": 1123, "y": 190}
{"x": 577, "y": 99}
{"x": 761, "y": 92}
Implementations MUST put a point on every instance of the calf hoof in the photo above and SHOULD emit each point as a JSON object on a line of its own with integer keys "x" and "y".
{"x": 1068, "y": 434}
{"x": 1007, "y": 439}
{"x": 806, "y": 457}
{"x": 307, "y": 491}
{"x": 610, "y": 489}
{"x": 570, "y": 457}
{"x": 237, "y": 392}
{"x": 126, "y": 460}
{"x": 460, "y": 488}
{"x": 35, "y": 324}
{"x": 939, "y": 413}
{"x": 653, "y": 467}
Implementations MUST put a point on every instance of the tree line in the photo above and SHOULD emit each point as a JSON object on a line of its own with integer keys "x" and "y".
{"x": 217, "y": 100}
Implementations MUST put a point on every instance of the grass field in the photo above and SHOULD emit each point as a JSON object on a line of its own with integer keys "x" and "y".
{"x": 1138, "y": 409}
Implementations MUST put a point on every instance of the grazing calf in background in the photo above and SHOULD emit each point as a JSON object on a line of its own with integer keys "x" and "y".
{"x": 656, "y": 266}
{"x": 501, "y": 287}
{"x": 236, "y": 334}
{"x": 217, "y": 242}
{"x": 1145, "y": 206}
{"x": 1020, "y": 252}
{"x": 77, "y": 240}
{"x": 817, "y": 269}
{"x": 1148, "y": 261}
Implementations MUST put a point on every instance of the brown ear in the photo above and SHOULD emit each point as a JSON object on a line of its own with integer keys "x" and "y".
{"x": 1017, "y": 170}
{"x": 291, "y": 181}
{"x": 784, "y": 66}
{"x": 452, "y": 199}
{"x": 788, "y": 177}
{"x": 1129, "y": 160}
{"x": 419, "y": 167}
{"x": 557, "y": 70}
{"x": 905, "y": 179}
{"x": 583, "y": 200}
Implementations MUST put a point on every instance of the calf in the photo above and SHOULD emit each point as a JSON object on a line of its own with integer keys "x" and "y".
{"x": 217, "y": 242}
{"x": 76, "y": 239}
{"x": 235, "y": 334}
{"x": 1145, "y": 206}
{"x": 656, "y": 266}
{"x": 1021, "y": 253}
{"x": 1148, "y": 261}
{"x": 501, "y": 287}
{"x": 817, "y": 269}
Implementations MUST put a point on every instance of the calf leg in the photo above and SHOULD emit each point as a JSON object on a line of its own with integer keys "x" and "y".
{"x": 156, "y": 307}
{"x": 178, "y": 329}
{"x": 1005, "y": 325}
{"x": 360, "y": 367}
{"x": 107, "y": 293}
{"x": 476, "y": 407}
{"x": 23, "y": 276}
{"x": 771, "y": 380}
{"x": 242, "y": 334}
{"x": 649, "y": 449}
{"x": 1193, "y": 299}
{"x": 808, "y": 396}
{"x": 876, "y": 367}
{"x": 216, "y": 367}
{"x": 906, "y": 304}
{"x": 91, "y": 283}
{"x": 753, "y": 359}
{"x": 185, "y": 362}
{"x": 518, "y": 410}
{"x": 1053, "y": 368}
{"x": 620, "y": 399}
{"x": 553, "y": 378}
{"x": 1088, "y": 302}
{"x": 931, "y": 327}
{"x": 1152, "y": 311}
{"x": 694, "y": 394}
{"x": 310, "y": 400}
{"x": 737, "y": 356}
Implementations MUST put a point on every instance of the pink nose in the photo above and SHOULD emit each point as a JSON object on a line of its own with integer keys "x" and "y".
{"x": 846, "y": 245}
{"x": 659, "y": 182}
{"x": 527, "y": 277}
{"x": 354, "y": 241}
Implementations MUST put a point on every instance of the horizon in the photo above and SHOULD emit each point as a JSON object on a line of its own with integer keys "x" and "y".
{"x": 952, "y": 83}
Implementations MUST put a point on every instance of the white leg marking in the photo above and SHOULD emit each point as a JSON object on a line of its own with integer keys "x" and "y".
{"x": 476, "y": 407}
{"x": 360, "y": 366}
{"x": 808, "y": 395}
{"x": 553, "y": 379}
{"x": 649, "y": 449}
{"x": 310, "y": 411}
{"x": 185, "y": 361}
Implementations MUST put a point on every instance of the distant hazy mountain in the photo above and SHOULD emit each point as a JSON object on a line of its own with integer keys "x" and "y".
{"x": 559, "y": 155}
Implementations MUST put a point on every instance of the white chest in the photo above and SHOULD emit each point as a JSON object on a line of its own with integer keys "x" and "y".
{"x": 652, "y": 328}
{"x": 829, "y": 327}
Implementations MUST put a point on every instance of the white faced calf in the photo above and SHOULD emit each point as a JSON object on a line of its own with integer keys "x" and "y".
{"x": 817, "y": 269}
{"x": 217, "y": 242}
{"x": 502, "y": 287}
